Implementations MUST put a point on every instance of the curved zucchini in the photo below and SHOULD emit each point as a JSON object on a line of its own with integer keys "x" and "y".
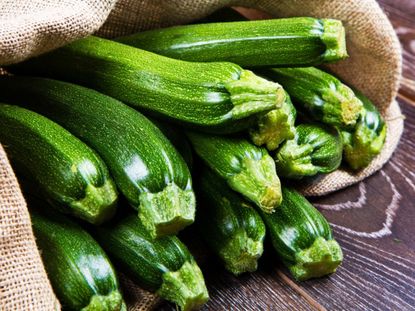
{"x": 302, "y": 237}
{"x": 229, "y": 224}
{"x": 316, "y": 149}
{"x": 365, "y": 142}
{"x": 247, "y": 169}
{"x": 147, "y": 169}
{"x": 215, "y": 97}
{"x": 81, "y": 274}
{"x": 300, "y": 41}
{"x": 164, "y": 266}
{"x": 318, "y": 94}
{"x": 68, "y": 172}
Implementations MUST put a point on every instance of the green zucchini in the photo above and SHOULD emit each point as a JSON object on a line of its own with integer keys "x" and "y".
{"x": 164, "y": 266}
{"x": 319, "y": 95}
{"x": 300, "y": 41}
{"x": 81, "y": 274}
{"x": 147, "y": 169}
{"x": 316, "y": 149}
{"x": 68, "y": 172}
{"x": 366, "y": 140}
{"x": 215, "y": 97}
{"x": 229, "y": 224}
{"x": 302, "y": 237}
{"x": 247, "y": 169}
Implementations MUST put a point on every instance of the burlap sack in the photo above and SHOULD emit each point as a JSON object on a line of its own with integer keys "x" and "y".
{"x": 32, "y": 27}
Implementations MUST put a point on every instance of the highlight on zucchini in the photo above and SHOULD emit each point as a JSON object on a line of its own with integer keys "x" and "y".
{"x": 229, "y": 224}
{"x": 316, "y": 149}
{"x": 319, "y": 95}
{"x": 163, "y": 266}
{"x": 275, "y": 127}
{"x": 81, "y": 274}
{"x": 362, "y": 144}
{"x": 214, "y": 97}
{"x": 302, "y": 237}
{"x": 68, "y": 172}
{"x": 247, "y": 169}
{"x": 298, "y": 41}
{"x": 146, "y": 167}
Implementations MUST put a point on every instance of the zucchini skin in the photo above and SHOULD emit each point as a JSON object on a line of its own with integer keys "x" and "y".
{"x": 315, "y": 149}
{"x": 164, "y": 266}
{"x": 247, "y": 169}
{"x": 80, "y": 272}
{"x": 215, "y": 97}
{"x": 319, "y": 95}
{"x": 302, "y": 237}
{"x": 68, "y": 173}
{"x": 147, "y": 169}
{"x": 229, "y": 224}
{"x": 301, "y": 41}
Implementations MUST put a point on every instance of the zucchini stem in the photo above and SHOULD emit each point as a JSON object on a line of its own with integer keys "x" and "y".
{"x": 334, "y": 38}
{"x": 112, "y": 302}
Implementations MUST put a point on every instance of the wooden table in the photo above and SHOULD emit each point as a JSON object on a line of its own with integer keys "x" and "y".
{"x": 374, "y": 222}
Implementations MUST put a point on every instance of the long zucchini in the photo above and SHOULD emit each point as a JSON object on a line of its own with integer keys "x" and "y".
{"x": 247, "y": 169}
{"x": 164, "y": 266}
{"x": 229, "y": 224}
{"x": 68, "y": 172}
{"x": 81, "y": 274}
{"x": 319, "y": 95}
{"x": 316, "y": 149}
{"x": 147, "y": 169}
{"x": 216, "y": 97}
{"x": 302, "y": 237}
{"x": 301, "y": 41}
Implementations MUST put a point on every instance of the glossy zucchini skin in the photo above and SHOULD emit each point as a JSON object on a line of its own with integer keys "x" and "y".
{"x": 315, "y": 149}
{"x": 146, "y": 168}
{"x": 229, "y": 224}
{"x": 69, "y": 173}
{"x": 164, "y": 266}
{"x": 319, "y": 95}
{"x": 301, "y": 41}
{"x": 365, "y": 141}
{"x": 302, "y": 237}
{"x": 215, "y": 97}
{"x": 80, "y": 272}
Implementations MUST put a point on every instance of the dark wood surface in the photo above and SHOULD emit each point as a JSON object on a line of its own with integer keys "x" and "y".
{"x": 374, "y": 222}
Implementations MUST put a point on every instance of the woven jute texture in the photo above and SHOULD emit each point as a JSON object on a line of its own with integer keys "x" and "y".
{"x": 32, "y": 27}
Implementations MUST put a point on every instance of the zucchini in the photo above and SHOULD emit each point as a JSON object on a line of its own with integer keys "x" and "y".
{"x": 319, "y": 95}
{"x": 302, "y": 237}
{"x": 68, "y": 172}
{"x": 147, "y": 169}
{"x": 366, "y": 140}
{"x": 229, "y": 224}
{"x": 247, "y": 169}
{"x": 80, "y": 272}
{"x": 164, "y": 266}
{"x": 216, "y": 97}
{"x": 300, "y": 41}
{"x": 316, "y": 149}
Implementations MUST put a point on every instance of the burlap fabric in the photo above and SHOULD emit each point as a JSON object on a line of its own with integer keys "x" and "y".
{"x": 32, "y": 27}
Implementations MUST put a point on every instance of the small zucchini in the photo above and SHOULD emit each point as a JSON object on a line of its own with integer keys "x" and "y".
{"x": 229, "y": 224}
{"x": 315, "y": 149}
{"x": 302, "y": 237}
{"x": 300, "y": 41}
{"x": 247, "y": 169}
{"x": 366, "y": 140}
{"x": 69, "y": 173}
{"x": 319, "y": 95}
{"x": 147, "y": 169}
{"x": 81, "y": 274}
{"x": 163, "y": 266}
{"x": 214, "y": 97}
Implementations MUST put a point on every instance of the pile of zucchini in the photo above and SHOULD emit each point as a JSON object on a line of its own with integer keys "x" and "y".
{"x": 99, "y": 126}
